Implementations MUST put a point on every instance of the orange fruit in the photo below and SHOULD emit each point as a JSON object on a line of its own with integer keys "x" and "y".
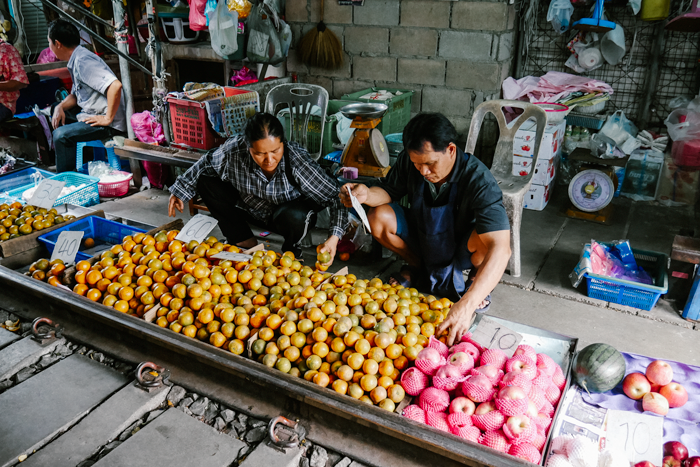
{"x": 126, "y": 293}
{"x": 102, "y": 284}
{"x": 93, "y": 294}
{"x": 93, "y": 277}
{"x": 322, "y": 379}
{"x": 83, "y": 265}
{"x": 344, "y": 256}
{"x": 89, "y": 242}
{"x": 80, "y": 276}
{"x": 80, "y": 289}
{"x": 121, "y": 305}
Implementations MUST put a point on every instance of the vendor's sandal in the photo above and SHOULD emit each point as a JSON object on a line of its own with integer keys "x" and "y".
{"x": 488, "y": 305}
{"x": 400, "y": 277}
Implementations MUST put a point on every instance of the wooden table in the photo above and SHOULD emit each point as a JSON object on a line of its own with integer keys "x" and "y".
{"x": 136, "y": 151}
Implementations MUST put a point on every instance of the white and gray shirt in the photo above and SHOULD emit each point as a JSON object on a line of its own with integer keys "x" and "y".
{"x": 91, "y": 79}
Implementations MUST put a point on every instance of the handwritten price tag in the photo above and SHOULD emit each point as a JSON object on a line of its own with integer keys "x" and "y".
{"x": 225, "y": 255}
{"x": 197, "y": 228}
{"x": 46, "y": 193}
{"x": 67, "y": 246}
{"x": 640, "y": 435}
{"x": 360, "y": 211}
{"x": 493, "y": 335}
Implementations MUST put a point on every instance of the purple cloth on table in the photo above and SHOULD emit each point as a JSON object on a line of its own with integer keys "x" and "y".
{"x": 680, "y": 424}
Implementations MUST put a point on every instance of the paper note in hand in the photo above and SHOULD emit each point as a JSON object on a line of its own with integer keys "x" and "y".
{"x": 360, "y": 210}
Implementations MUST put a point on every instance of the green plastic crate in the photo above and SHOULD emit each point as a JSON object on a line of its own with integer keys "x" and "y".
{"x": 399, "y": 108}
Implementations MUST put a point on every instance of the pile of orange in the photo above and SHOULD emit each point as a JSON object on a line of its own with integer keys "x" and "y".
{"x": 16, "y": 220}
{"x": 355, "y": 336}
{"x": 47, "y": 271}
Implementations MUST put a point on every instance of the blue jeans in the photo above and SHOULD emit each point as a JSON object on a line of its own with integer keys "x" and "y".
{"x": 5, "y": 113}
{"x": 67, "y": 137}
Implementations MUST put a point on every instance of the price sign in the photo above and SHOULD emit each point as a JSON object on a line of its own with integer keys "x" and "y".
{"x": 493, "y": 335}
{"x": 640, "y": 435}
{"x": 67, "y": 246}
{"x": 46, "y": 193}
{"x": 360, "y": 211}
{"x": 197, "y": 228}
{"x": 225, "y": 255}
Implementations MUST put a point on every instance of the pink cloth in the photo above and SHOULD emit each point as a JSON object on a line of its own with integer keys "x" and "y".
{"x": 11, "y": 68}
{"x": 550, "y": 87}
{"x": 46, "y": 56}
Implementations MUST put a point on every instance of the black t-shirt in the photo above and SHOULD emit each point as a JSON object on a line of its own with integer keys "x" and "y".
{"x": 479, "y": 201}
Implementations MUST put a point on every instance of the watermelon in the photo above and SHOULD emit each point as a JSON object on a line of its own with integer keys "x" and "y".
{"x": 599, "y": 368}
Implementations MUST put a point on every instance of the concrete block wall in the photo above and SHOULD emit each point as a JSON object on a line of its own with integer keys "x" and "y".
{"x": 453, "y": 54}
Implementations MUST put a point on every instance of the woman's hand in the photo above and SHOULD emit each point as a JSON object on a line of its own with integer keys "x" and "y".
{"x": 175, "y": 203}
{"x": 329, "y": 246}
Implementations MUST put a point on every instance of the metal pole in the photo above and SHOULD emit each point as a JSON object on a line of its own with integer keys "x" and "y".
{"x": 651, "y": 80}
{"x": 121, "y": 34}
{"x": 159, "y": 76}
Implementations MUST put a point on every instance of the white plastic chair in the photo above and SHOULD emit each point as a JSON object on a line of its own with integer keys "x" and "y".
{"x": 514, "y": 187}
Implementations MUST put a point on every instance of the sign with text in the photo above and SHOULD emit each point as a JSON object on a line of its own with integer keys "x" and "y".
{"x": 226, "y": 255}
{"x": 493, "y": 335}
{"x": 46, "y": 193}
{"x": 67, "y": 246}
{"x": 197, "y": 229}
{"x": 638, "y": 434}
{"x": 360, "y": 211}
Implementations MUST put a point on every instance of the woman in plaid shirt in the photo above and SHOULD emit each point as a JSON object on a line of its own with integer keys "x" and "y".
{"x": 261, "y": 178}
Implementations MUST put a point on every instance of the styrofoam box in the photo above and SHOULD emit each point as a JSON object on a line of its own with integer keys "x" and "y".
{"x": 545, "y": 170}
{"x": 524, "y": 141}
{"x": 538, "y": 196}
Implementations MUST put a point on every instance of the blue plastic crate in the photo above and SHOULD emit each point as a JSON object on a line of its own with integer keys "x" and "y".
{"x": 21, "y": 178}
{"x": 630, "y": 293}
{"x": 86, "y": 196}
{"x": 103, "y": 231}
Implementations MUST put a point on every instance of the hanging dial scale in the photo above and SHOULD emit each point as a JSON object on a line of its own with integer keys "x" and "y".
{"x": 591, "y": 190}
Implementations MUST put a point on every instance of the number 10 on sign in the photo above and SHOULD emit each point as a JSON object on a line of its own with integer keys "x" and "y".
{"x": 493, "y": 335}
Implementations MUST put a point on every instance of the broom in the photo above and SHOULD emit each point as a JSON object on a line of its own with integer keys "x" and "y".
{"x": 320, "y": 47}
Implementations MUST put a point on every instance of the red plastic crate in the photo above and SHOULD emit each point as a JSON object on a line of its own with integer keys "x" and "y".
{"x": 190, "y": 123}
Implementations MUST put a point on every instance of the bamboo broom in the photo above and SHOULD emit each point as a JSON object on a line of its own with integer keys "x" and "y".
{"x": 320, "y": 47}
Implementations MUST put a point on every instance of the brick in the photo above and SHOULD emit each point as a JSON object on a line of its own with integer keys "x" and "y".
{"x": 425, "y": 14}
{"x": 447, "y": 101}
{"x": 461, "y": 124}
{"x": 421, "y": 71}
{"x": 505, "y": 71}
{"x": 377, "y": 13}
{"x": 361, "y": 39}
{"x": 325, "y": 83}
{"x": 512, "y": 16}
{"x": 294, "y": 64}
{"x": 374, "y": 68}
{"x": 342, "y": 87}
{"x": 416, "y": 97}
{"x": 480, "y": 16}
{"x": 465, "y": 45}
{"x": 505, "y": 47}
{"x": 343, "y": 71}
{"x": 332, "y": 14}
{"x": 411, "y": 41}
{"x": 471, "y": 75}
{"x": 296, "y": 10}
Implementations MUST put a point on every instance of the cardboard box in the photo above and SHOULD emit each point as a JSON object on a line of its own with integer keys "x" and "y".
{"x": 537, "y": 197}
{"x": 545, "y": 170}
{"x": 524, "y": 141}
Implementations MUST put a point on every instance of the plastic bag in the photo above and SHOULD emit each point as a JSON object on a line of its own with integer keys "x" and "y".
{"x": 244, "y": 74}
{"x": 678, "y": 186}
{"x": 223, "y": 29}
{"x": 269, "y": 37}
{"x": 618, "y": 129}
{"x": 617, "y": 261}
{"x": 242, "y": 7}
{"x": 683, "y": 125}
{"x": 146, "y": 128}
{"x": 586, "y": 55}
{"x": 198, "y": 22}
{"x": 559, "y": 14}
{"x": 209, "y": 10}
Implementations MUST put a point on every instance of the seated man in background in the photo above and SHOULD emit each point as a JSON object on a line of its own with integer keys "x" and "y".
{"x": 96, "y": 95}
{"x": 12, "y": 79}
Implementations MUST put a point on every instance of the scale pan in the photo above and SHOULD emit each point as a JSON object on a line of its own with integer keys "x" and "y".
{"x": 364, "y": 110}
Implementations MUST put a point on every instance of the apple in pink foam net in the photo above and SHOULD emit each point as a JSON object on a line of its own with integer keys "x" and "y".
{"x": 462, "y": 404}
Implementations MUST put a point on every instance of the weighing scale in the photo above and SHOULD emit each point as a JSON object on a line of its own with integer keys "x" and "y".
{"x": 366, "y": 149}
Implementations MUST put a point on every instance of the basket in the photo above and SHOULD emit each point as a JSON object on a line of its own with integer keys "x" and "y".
{"x": 86, "y": 196}
{"x": 190, "y": 122}
{"x": 399, "y": 112}
{"x": 21, "y": 178}
{"x": 394, "y": 142}
{"x": 591, "y": 109}
{"x": 105, "y": 233}
{"x": 630, "y": 293}
{"x": 115, "y": 189}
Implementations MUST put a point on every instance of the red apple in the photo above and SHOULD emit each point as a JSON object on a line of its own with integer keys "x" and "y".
{"x": 659, "y": 372}
{"x": 655, "y": 402}
{"x": 669, "y": 461}
{"x": 449, "y": 371}
{"x": 461, "y": 358}
{"x": 636, "y": 385}
{"x": 654, "y": 387}
{"x": 692, "y": 462}
{"x": 430, "y": 354}
{"x": 644, "y": 464}
{"x": 532, "y": 411}
{"x": 676, "y": 449}
{"x": 487, "y": 370}
{"x": 517, "y": 424}
{"x": 485, "y": 407}
{"x": 675, "y": 393}
{"x": 511, "y": 393}
{"x": 462, "y": 404}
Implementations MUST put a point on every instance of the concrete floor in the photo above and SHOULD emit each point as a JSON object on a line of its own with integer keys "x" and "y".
{"x": 543, "y": 295}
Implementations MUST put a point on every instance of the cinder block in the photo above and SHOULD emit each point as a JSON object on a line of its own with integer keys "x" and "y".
{"x": 412, "y": 41}
{"x": 505, "y": 71}
{"x": 512, "y": 16}
{"x": 374, "y": 68}
{"x": 466, "y": 45}
{"x": 505, "y": 46}
{"x": 447, "y": 101}
{"x": 296, "y": 10}
{"x": 343, "y": 71}
{"x": 461, "y": 124}
{"x": 325, "y": 83}
{"x": 348, "y": 86}
{"x": 377, "y": 13}
{"x": 480, "y": 16}
{"x": 471, "y": 75}
{"x": 294, "y": 64}
{"x": 425, "y": 14}
{"x": 359, "y": 39}
{"x": 332, "y": 14}
{"x": 421, "y": 71}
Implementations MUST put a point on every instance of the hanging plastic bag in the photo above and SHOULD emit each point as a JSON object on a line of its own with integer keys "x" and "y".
{"x": 146, "y": 128}
{"x": 241, "y": 6}
{"x": 683, "y": 125}
{"x": 209, "y": 10}
{"x": 198, "y": 22}
{"x": 269, "y": 37}
{"x": 223, "y": 29}
{"x": 585, "y": 53}
{"x": 559, "y": 14}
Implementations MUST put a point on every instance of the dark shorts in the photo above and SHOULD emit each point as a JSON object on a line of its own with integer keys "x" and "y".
{"x": 407, "y": 229}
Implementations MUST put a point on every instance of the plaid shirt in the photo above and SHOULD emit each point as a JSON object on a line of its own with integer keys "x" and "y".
{"x": 232, "y": 162}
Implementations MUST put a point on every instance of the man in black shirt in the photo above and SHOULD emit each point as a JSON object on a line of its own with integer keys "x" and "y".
{"x": 456, "y": 220}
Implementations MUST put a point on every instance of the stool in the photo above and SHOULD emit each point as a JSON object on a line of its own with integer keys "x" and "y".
{"x": 687, "y": 249}
{"x": 112, "y": 159}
